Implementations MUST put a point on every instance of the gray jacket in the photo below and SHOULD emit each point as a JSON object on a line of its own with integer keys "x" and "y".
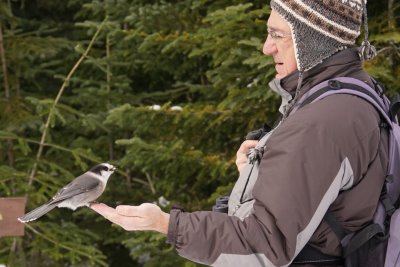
{"x": 329, "y": 154}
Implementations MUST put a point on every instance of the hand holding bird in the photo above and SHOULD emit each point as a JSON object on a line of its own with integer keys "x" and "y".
{"x": 146, "y": 216}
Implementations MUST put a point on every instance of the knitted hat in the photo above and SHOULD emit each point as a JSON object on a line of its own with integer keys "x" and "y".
{"x": 320, "y": 28}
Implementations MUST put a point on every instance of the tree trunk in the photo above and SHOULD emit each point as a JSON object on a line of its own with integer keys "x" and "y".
{"x": 4, "y": 65}
{"x": 108, "y": 54}
{"x": 9, "y": 142}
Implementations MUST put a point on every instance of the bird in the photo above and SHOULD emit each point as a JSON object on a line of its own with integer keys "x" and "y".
{"x": 82, "y": 191}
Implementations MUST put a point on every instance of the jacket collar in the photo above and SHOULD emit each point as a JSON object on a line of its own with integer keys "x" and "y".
{"x": 346, "y": 63}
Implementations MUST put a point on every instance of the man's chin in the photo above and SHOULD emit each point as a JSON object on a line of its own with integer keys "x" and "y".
{"x": 280, "y": 76}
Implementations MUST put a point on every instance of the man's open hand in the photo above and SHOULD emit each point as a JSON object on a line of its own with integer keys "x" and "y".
{"x": 147, "y": 216}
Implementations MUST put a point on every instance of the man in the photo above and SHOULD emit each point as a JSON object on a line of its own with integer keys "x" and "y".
{"x": 331, "y": 154}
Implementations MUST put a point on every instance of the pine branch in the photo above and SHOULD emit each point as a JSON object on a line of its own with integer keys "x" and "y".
{"x": 5, "y": 136}
{"x": 152, "y": 188}
{"x": 61, "y": 91}
{"x": 77, "y": 251}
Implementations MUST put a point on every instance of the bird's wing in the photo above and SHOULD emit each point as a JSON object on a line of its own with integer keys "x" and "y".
{"x": 79, "y": 185}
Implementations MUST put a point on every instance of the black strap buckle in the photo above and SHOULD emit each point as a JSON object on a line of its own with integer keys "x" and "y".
{"x": 335, "y": 85}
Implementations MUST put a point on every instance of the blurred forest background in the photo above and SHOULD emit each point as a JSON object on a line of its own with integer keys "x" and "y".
{"x": 166, "y": 90}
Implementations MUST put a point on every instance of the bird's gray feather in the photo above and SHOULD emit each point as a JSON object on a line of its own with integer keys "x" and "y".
{"x": 69, "y": 194}
{"x": 84, "y": 183}
{"x": 37, "y": 213}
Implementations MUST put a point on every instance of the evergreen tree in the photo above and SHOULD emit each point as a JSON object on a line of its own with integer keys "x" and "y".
{"x": 165, "y": 90}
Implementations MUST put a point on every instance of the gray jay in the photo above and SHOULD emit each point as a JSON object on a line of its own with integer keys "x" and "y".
{"x": 83, "y": 190}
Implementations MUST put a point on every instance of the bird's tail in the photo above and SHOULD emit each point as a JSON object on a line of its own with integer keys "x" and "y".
{"x": 36, "y": 213}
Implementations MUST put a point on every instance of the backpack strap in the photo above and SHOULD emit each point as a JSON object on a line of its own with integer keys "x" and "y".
{"x": 344, "y": 85}
{"x": 386, "y": 109}
{"x": 353, "y": 241}
{"x": 373, "y": 230}
{"x": 394, "y": 102}
{"x": 395, "y": 106}
{"x": 337, "y": 85}
{"x": 310, "y": 254}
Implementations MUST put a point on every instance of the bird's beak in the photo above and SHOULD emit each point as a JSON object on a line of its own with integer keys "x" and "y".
{"x": 113, "y": 168}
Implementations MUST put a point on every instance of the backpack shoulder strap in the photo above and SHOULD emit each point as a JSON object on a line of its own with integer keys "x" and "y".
{"x": 345, "y": 85}
{"x": 387, "y": 110}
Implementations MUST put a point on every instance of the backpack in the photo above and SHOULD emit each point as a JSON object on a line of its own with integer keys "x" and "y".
{"x": 377, "y": 244}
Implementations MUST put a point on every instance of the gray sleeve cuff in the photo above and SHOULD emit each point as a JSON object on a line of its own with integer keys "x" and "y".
{"x": 173, "y": 226}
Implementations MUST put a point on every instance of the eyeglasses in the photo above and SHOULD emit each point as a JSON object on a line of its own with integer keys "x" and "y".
{"x": 277, "y": 36}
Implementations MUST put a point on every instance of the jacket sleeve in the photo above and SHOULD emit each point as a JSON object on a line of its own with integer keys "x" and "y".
{"x": 307, "y": 161}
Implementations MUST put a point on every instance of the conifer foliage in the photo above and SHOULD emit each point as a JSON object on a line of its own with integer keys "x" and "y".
{"x": 166, "y": 90}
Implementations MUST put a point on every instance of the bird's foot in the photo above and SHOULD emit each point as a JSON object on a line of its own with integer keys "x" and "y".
{"x": 91, "y": 203}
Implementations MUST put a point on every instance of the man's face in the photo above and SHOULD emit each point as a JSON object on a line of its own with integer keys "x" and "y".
{"x": 279, "y": 44}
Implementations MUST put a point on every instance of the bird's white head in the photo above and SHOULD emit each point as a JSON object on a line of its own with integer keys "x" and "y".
{"x": 104, "y": 170}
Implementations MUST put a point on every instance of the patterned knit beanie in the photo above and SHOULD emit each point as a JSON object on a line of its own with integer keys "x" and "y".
{"x": 320, "y": 28}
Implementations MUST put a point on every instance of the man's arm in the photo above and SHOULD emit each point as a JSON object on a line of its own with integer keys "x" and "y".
{"x": 149, "y": 216}
{"x": 307, "y": 161}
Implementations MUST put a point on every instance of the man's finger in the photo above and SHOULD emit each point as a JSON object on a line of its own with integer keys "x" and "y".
{"x": 107, "y": 212}
{"x": 125, "y": 210}
{"x": 99, "y": 207}
{"x": 246, "y": 145}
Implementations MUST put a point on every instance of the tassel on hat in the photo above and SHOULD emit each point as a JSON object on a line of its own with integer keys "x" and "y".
{"x": 367, "y": 50}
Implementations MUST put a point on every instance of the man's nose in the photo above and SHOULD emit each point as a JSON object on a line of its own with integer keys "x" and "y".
{"x": 269, "y": 47}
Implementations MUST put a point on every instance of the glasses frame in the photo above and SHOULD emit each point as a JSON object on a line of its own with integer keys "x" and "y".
{"x": 277, "y": 35}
